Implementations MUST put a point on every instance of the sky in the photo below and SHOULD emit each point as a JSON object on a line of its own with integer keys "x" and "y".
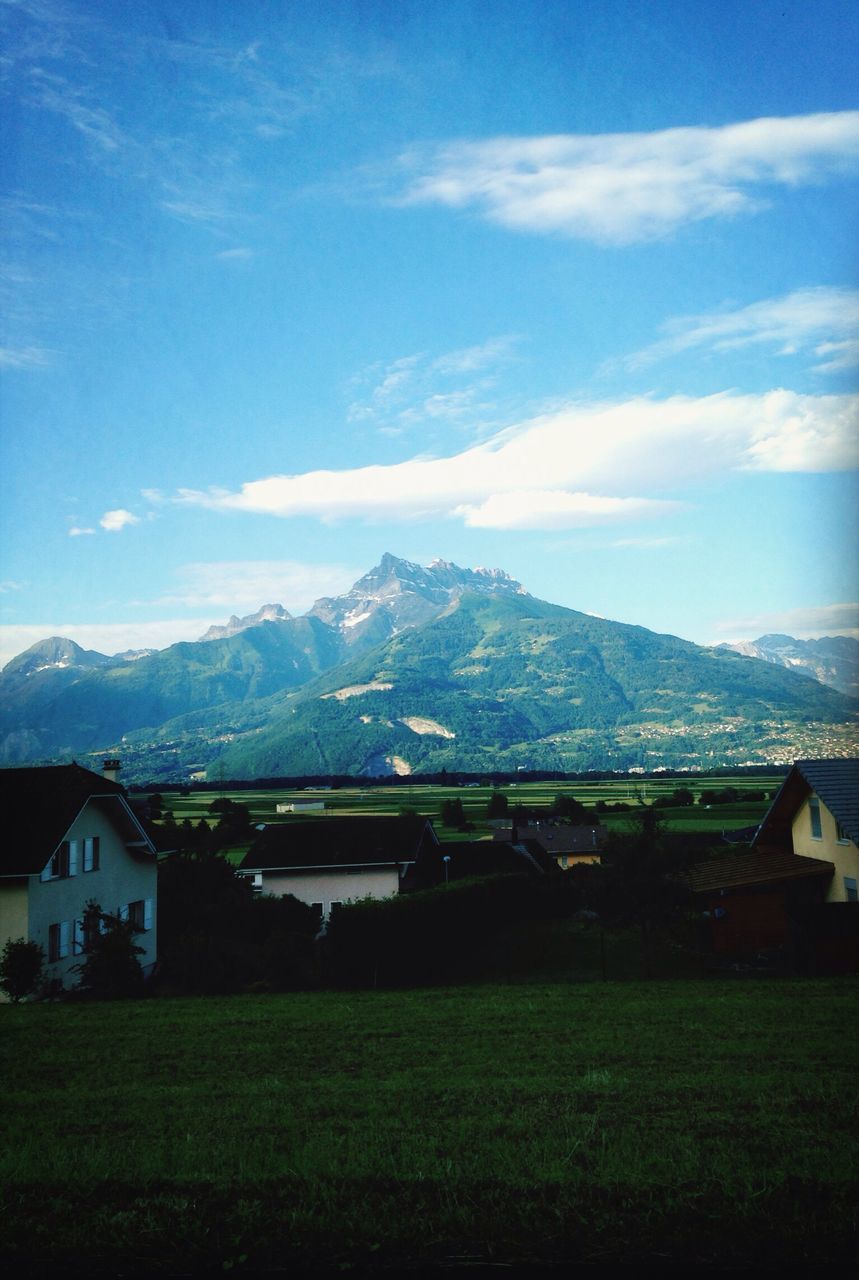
{"x": 565, "y": 288}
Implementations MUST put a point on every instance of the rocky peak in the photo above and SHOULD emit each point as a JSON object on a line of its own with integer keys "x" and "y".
{"x": 267, "y": 613}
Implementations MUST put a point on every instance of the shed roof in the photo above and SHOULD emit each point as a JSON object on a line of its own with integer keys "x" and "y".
{"x": 337, "y": 842}
{"x": 743, "y": 870}
{"x": 40, "y": 805}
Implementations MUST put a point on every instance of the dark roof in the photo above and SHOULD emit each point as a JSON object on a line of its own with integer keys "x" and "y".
{"x": 739, "y": 870}
{"x": 337, "y": 842}
{"x": 478, "y": 858}
{"x": 836, "y": 782}
{"x": 557, "y": 838}
{"x": 40, "y": 804}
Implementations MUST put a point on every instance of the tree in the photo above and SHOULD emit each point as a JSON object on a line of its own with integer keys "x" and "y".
{"x": 21, "y": 968}
{"x": 641, "y": 878}
{"x": 452, "y": 813}
{"x": 498, "y": 805}
{"x": 569, "y": 807}
{"x": 110, "y": 969}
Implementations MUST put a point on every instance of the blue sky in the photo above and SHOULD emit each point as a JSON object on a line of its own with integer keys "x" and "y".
{"x": 564, "y": 288}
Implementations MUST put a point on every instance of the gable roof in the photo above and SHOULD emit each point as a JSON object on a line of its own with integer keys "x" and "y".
{"x": 40, "y": 804}
{"x": 337, "y": 842}
{"x": 836, "y": 782}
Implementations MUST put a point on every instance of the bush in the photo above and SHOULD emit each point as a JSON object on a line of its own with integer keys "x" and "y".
{"x": 110, "y": 969}
{"x": 21, "y": 968}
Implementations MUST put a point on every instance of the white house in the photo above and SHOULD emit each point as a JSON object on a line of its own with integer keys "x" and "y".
{"x": 328, "y": 861}
{"x": 70, "y": 838}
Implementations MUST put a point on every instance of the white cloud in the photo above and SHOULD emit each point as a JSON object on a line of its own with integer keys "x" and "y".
{"x": 809, "y": 623}
{"x": 558, "y": 509}
{"x": 585, "y": 452}
{"x": 77, "y": 531}
{"x": 626, "y": 187}
{"x": 113, "y": 521}
{"x": 246, "y": 584}
{"x": 822, "y": 321}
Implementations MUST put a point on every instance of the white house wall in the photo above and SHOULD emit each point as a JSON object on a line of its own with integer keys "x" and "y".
{"x": 333, "y": 886}
{"x": 121, "y": 878}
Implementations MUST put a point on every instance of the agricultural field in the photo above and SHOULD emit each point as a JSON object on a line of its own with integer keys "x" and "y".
{"x": 596, "y": 1123}
{"x": 428, "y": 800}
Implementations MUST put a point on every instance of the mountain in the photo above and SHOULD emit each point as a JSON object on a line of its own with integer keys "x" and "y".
{"x": 54, "y": 654}
{"x": 268, "y": 613}
{"x": 833, "y": 660}
{"x": 417, "y": 668}
{"x": 399, "y": 594}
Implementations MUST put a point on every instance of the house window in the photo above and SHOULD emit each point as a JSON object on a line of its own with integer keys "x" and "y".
{"x": 91, "y": 853}
{"x": 851, "y": 889}
{"x": 814, "y": 814}
{"x": 840, "y": 834}
{"x": 139, "y": 913}
{"x": 64, "y": 863}
{"x": 59, "y": 940}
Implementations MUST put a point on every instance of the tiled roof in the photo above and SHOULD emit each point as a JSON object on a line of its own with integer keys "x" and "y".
{"x": 337, "y": 842}
{"x": 837, "y": 784}
{"x": 737, "y": 870}
{"x": 39, "y": 806}
{"x": 557, "y": 838}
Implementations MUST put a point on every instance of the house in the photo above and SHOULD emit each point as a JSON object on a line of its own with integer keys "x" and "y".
{"x": 72, "y": 838}
{"x": 570, "y": 846}
{"x": 329, "y": 861}
{"x": 794, "y": 886}
{"x": 815, "y": 814}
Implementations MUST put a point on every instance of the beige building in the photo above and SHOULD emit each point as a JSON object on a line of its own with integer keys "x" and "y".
{"x": 70, "y": 839}
{"x": 816, "y": 815}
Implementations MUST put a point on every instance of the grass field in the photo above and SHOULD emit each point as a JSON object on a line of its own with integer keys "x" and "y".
{"x": 428, "y": 801}
{"x": 708, "y": 1122}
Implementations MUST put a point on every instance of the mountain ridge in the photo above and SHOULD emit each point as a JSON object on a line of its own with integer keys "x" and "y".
{"x": 416, "y": 668}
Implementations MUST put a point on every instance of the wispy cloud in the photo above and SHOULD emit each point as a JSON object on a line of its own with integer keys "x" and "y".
{"x": 569, "y": 468}
{"x": 820, "y": 322}
{"x": 24, "y": 357}
{"x": 421, "y": 387}
{"x": 79, "y": 531}
{"x": 113, "y": 637}
{"x": 9, "y": 585}
{"x": 626, "y": 187}
{"x": 117, "y": 519}
{"x": 247, "y": 584}
{"x": 807, "y": 623}
{"x": 242, "y": 254}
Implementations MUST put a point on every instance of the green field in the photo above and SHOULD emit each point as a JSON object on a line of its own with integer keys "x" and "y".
{"x": 429, "y": 799}
{"x": 707, "y": 1122}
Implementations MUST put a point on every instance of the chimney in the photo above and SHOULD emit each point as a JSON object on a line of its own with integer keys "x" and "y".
{"x": 110, "y": 770}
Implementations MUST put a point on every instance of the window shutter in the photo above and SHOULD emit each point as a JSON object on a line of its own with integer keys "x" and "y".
{"x": 78, "y": 938}
{"x": 96, "y": 853}
{"x": 123, "y": 912}
{"x": 147, "y": 913}
{"x": 88, "y": 853}
{"x": 73, "y": 857}
{"x": 65, "y": 932}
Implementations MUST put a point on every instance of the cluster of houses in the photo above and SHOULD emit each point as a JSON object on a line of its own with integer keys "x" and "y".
{"x": 73, "y": 837}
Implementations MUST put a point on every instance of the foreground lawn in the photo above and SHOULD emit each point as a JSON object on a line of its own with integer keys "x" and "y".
{"x": 685, "y": 1121}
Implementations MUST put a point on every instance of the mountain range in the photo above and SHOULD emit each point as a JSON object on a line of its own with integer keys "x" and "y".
{"x": 833, "y": 660}
{"x": 416, "y": 669}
